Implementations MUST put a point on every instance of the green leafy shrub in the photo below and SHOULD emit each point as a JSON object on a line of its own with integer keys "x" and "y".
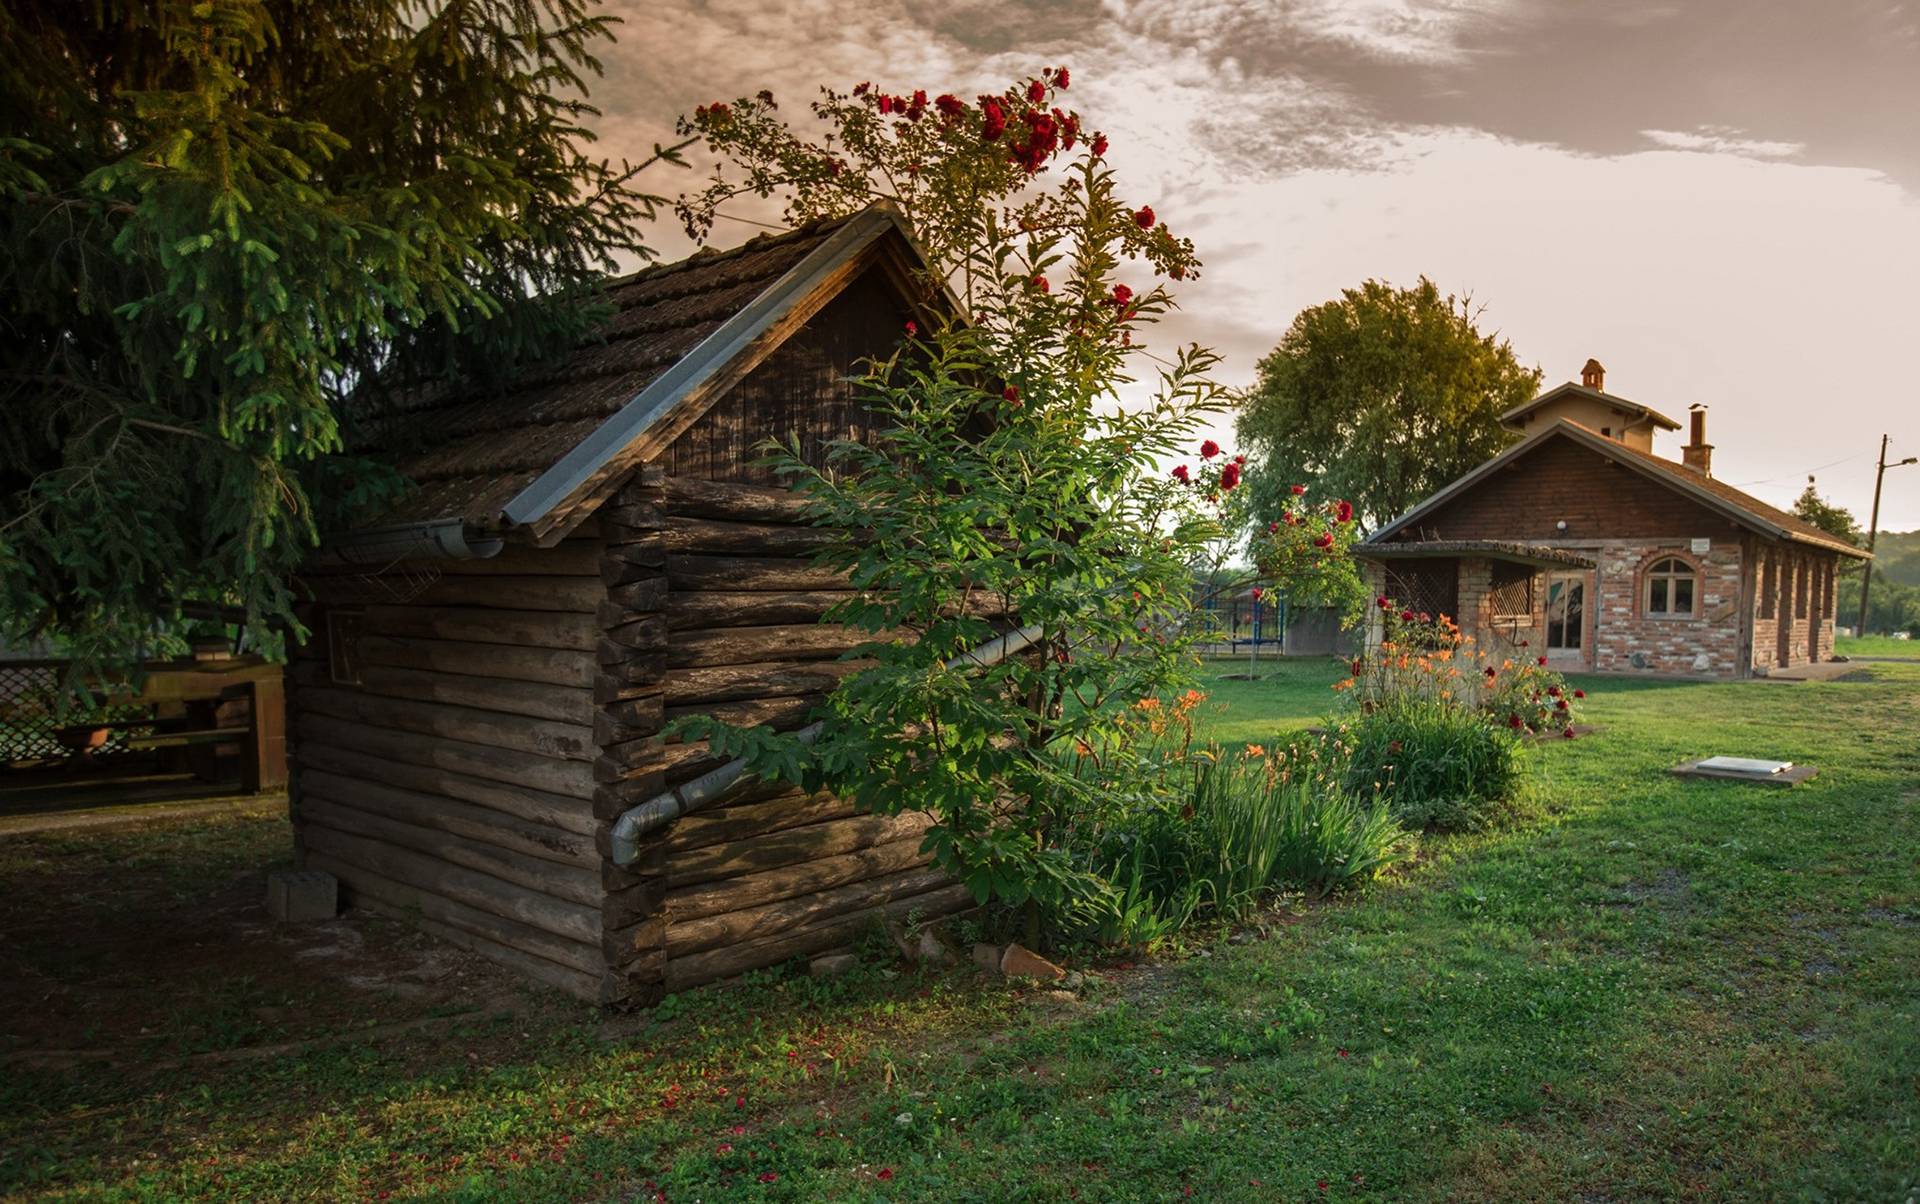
{"x": 1434, "y": 766}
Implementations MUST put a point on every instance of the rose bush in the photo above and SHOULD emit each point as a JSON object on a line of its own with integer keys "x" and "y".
{"x": 1009, "y": 487}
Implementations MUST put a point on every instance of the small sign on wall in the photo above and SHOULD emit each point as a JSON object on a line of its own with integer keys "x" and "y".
{"x": 1701, "y": 547}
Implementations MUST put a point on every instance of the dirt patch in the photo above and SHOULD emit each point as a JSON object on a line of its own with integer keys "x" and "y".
{"x": 152, "y": 948}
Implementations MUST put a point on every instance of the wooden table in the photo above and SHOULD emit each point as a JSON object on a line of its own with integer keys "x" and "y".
{"x": 167, "y": 684}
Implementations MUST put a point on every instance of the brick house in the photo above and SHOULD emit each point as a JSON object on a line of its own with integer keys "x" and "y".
{"x": 1580, "y": 544}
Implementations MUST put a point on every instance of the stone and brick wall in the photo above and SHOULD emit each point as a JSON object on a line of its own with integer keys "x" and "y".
{"x": 1793, "y": 605}
{"x": 1707, "y": 643}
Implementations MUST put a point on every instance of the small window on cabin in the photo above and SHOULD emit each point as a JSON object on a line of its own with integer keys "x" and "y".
{"x": 1670, "y": 587}
{"x": 343, "y": 645}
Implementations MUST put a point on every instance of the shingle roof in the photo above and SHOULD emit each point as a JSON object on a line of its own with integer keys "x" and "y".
{"x": 471, "y": 455}
{"x": 1742, "y": 508}
{"x": 1573, "y": 389}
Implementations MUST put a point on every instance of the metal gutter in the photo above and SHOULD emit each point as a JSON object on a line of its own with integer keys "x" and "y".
{"x": 431, "y": 539}
{"x": 553, "y": 487}
{"x": 714, "y": 785}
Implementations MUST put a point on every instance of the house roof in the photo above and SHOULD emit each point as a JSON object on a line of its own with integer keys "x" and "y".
{"x": 1575, "y": 389}
{"x": 542, "y": 455}
{"x": 1741, "y": 508}
{"x": 1511, "y": 551}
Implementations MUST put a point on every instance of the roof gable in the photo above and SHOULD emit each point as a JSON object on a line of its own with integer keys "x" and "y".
{"x": 1720, "y": 498}
{"x": 1573, "y": 389}
{"x": 542, "y": 456}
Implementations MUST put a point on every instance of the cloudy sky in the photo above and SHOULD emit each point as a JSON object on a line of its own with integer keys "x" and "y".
{"x": 1719, "y": 199}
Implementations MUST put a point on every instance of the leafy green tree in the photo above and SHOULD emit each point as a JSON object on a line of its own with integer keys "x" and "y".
{"x": 231, "y": 230}
{"x": 1010, "y": 482}
{"x": 1836, "y": 521}
{"x": 1380, "y": 397}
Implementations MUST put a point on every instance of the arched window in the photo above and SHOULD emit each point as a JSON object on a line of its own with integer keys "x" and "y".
{"x": 1669, "y": 587}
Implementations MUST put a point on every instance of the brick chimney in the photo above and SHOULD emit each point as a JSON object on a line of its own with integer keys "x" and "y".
{"x": 1593, "y": 376}
{"x": 1698, "y": 453}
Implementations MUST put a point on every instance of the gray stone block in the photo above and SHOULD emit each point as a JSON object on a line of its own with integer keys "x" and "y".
{"x": 301, "y": 896}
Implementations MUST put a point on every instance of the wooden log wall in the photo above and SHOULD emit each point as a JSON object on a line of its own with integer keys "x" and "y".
{"x": 774, "y": 873}
{"x": 455, "y": 781}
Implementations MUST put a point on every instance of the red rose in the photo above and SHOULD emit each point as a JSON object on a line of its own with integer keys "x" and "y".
{"x": 1425, "y": 617}
{"x": 950, "y": 106}
{"x": 1099, "y": 146}
{"x": 885, "y": 104}
{"x": 1272, "y": 527}
{"x": 883, "y": 1174}
{"x": 1553, "y": 691}
{"x": 768, "y": 1176}
{"x": 1513, "y": 721}
{"x": 1011, "y": 393}
{"x": 918, "y": 105}
{"x": 993, "y": 119}
{"x": 1523, "y": 643}
{"x": 1406, "y": 616}
{"x": 1539, "y": 660}
{"x": 1298, "y": 490}
{"x": 1060, "y": 79}
{"x": 861, "y": 89}
{"x": 1491, "y": 672}
{"x": 1230, "y": 476}
{"x": 1209, "y": 449}
{"x": 1579, "y": 693}
{"x": 1561, "y": 705}
{"x": 1343, "y": 511}
{"x": 1122, "y": 294}
{"x": 1323, "y": 540}
{"x": 1292, "y": 519}
{"x": 1036, "y": 91}
{"x": 1181, "y": 474}
{"x": 1383, "y": 602}
{"x": 1257, "y": 591}
{"x": 911, "y": 328}
{"x": 1567, "y": 733}
{"x": 1144, "y": 218}
{"x": 1040, "y": 282}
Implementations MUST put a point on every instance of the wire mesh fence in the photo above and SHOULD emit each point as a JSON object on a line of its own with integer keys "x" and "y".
{"x": 44, "y": 719}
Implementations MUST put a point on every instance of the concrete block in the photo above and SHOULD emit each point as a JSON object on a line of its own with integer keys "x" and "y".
{"x": 302, "y": 896}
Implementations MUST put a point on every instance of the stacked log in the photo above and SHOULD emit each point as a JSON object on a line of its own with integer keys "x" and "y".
{"x": 630, "y": 692}
{"x": 774, "y": 872}
{"x": 452, "y": 780}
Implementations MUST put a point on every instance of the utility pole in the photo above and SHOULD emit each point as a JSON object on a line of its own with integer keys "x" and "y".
{"x": 1873, "y": 527}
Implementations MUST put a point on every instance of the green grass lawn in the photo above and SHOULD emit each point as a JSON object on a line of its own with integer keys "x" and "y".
{"x": 1877, "y": 645}
{"x": 1661, "y": 989}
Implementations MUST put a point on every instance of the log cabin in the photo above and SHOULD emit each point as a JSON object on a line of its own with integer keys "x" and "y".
{"x": 585, "y": 558}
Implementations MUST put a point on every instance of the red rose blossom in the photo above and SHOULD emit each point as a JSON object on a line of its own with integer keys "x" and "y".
{"x": 1099, "y": 146}
{"x": 1257, "y": 592}
{"x": 950, "y": 106}
{"x": 1490, "y": 672}
{"x": 1579, "y": 693}
{"x": 1122, "y": 294}
{"x": 1011, "y": 393}
{"x": 1230, "y": 476}
{"x": 1513, "y": 721}
{"x": 911, "y": 327}
{"x": 1323, "y": 540}
{"x": 1272, "y": 527}
{"x": 884, "y": 103}
{"x": 1383, "y": 602}
{"x": 1209, "y": 449}
{"x": 1040, "y": 282}
{"x": 1298, "y": 490}
{"x": 1060, "y": 79}
{"x": 993, "y": 119}
{"x": 883, "y": 1174}
{"x": 1144, "y": 218}
{"x": 1561, "y": 705}
{"x": 1567, "y": 733}
{"x": 1343, "y": 511}
{"x": 1539, "y": 660}
{"x": 1406, "y": 616}
{"x": 1181, "y": 474}
{"x": 1036, "y": 91}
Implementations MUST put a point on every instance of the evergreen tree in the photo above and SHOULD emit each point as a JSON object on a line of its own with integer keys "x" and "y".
{"x": 231, "y": 228}
{"x": 1837, "y": 521}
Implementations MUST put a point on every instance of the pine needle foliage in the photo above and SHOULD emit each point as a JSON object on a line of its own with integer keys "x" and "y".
{"x": 232, "y": 231}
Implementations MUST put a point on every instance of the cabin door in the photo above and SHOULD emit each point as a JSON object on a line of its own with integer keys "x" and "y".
{"x": 1569, "y": 626}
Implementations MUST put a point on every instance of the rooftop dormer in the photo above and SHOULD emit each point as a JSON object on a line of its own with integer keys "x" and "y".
{"x": 1589, "y": 404}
